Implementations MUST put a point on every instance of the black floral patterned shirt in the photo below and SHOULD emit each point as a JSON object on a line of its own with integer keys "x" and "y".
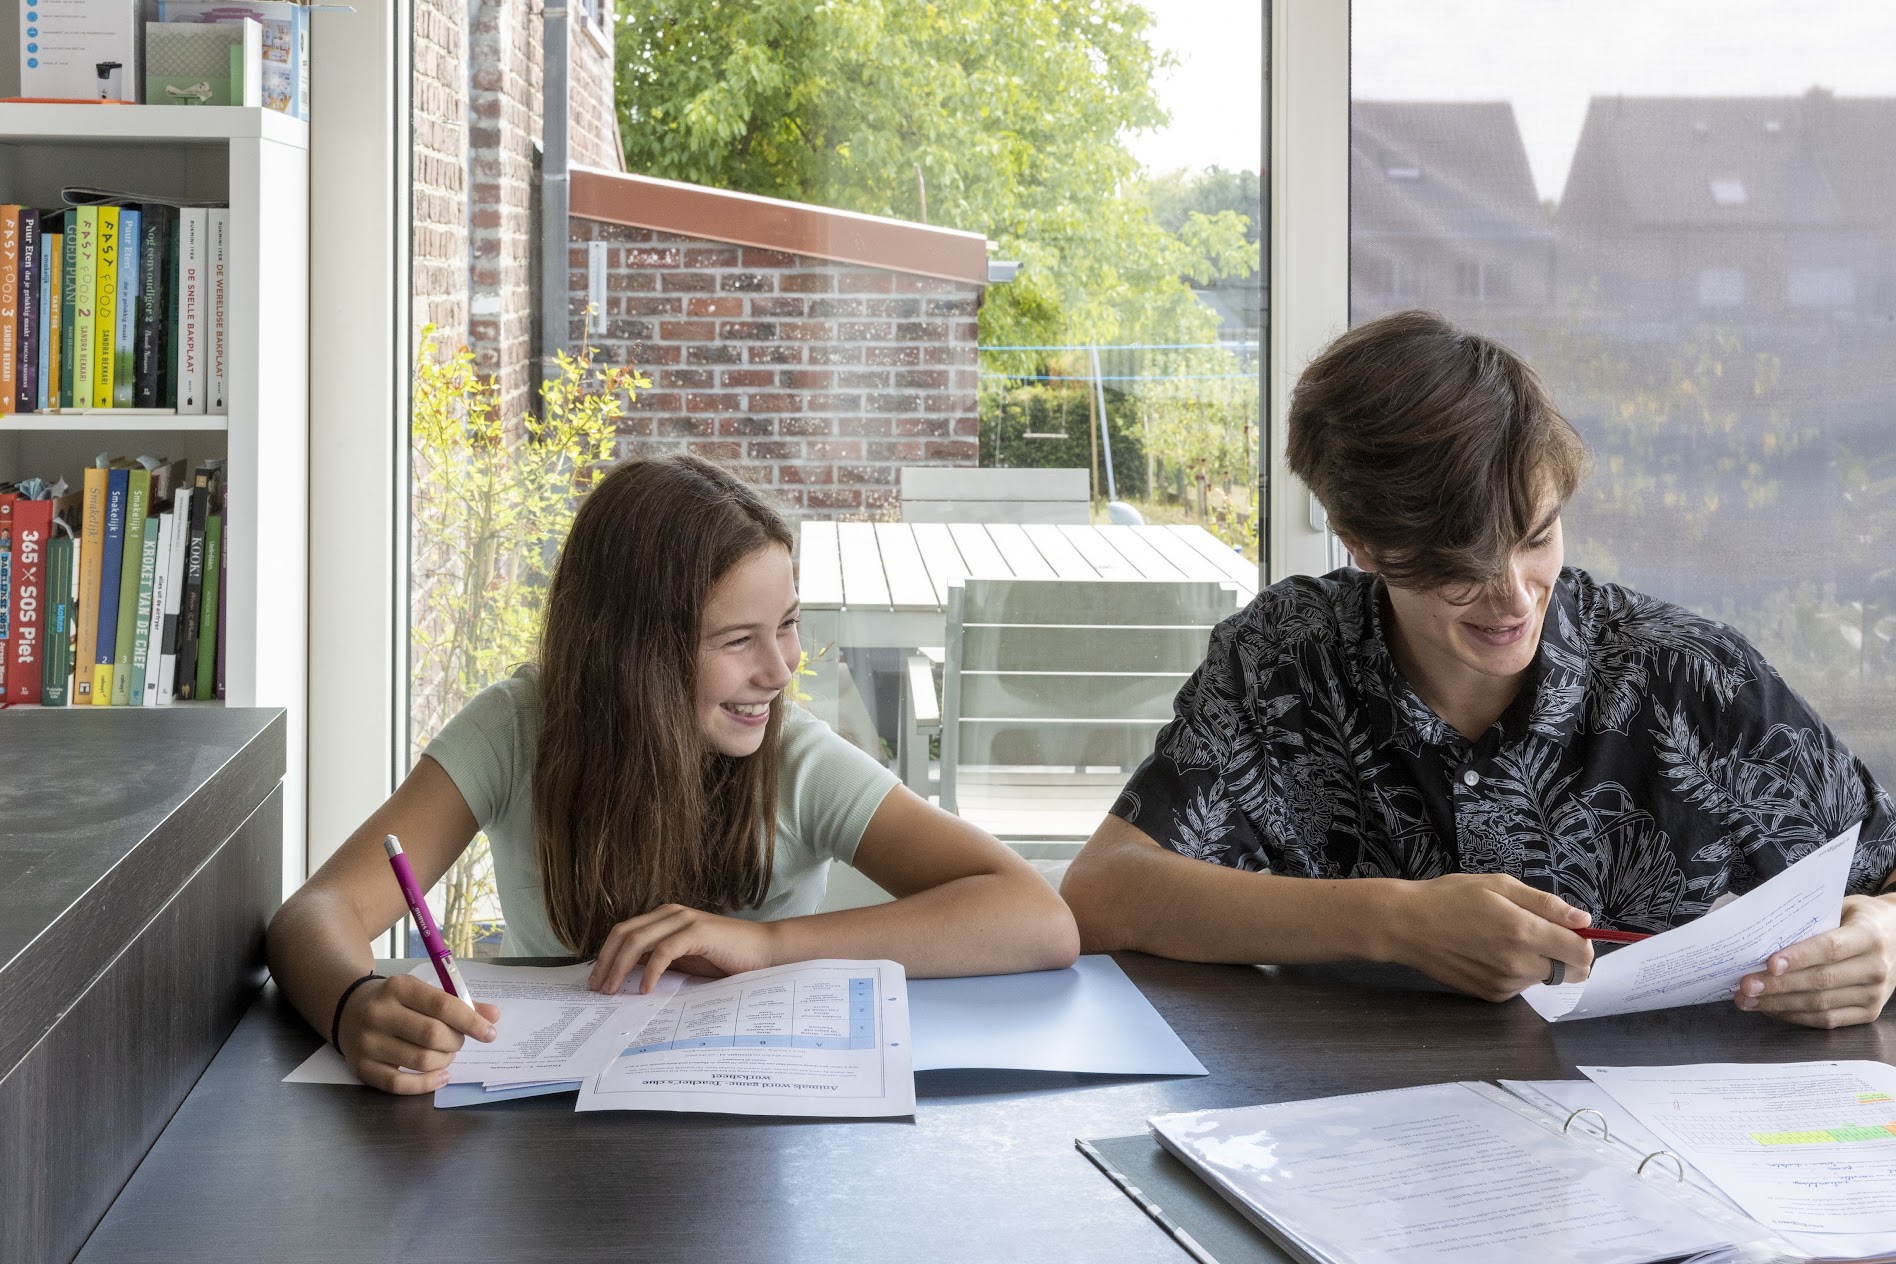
{"x": 1653, "y": 762}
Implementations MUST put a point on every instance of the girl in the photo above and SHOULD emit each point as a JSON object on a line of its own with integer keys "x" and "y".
{"x": 652, "y": 800}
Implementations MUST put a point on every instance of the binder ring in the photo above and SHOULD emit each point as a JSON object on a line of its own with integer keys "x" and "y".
{"x": 1677, "y": 1163}
{"x": 1606, "y": 1133}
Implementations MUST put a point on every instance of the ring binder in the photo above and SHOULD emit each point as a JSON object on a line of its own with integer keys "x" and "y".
{"x": 1606, "y": 1131}
{"x": 1294, "y": 1171}
{"x": 1677, "y": 1163}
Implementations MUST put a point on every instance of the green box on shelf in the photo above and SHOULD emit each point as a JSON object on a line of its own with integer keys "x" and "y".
{"x": 285, "y": 79}
{"x": 204, "y": 63}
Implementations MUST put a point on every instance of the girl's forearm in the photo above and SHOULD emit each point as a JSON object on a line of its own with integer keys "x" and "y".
{"x": 989, "y": 923}
{"x": 313, "y": 955}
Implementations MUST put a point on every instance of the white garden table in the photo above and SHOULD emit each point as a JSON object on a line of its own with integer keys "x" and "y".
{"x": 885, "y": 584}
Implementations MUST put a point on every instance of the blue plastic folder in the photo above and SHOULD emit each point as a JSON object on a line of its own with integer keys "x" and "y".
{"x": 1090, "y": 1019}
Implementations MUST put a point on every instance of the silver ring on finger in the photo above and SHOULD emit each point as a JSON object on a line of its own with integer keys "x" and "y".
{"x": 1556, "y": 974}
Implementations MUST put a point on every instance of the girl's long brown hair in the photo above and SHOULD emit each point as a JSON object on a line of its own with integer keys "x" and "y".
{"x": 631, "y": 808}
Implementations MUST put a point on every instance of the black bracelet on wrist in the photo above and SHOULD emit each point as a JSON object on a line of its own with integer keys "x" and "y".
{"x": 335, "y": 1024}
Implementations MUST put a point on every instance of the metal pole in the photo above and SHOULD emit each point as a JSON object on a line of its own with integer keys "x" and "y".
{"x": 555, "y": 80}
{"x": 1264, "y": 326}
{"x": 1105, "y": 435}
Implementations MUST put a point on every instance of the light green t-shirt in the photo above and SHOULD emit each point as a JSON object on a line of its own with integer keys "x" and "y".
{"x": 826, "y": 792}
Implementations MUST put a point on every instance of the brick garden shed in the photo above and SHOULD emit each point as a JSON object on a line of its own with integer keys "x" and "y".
{"x": 813, "y": 351}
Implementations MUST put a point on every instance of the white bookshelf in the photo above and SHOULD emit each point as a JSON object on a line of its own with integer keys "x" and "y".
{"x": 258, "y": 161}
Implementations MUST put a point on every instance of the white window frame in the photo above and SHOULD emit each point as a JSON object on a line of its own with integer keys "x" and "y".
{"x": 1309, "y": 191}
{"x": 359, "y": 419}
{"x": 359, "y": 360}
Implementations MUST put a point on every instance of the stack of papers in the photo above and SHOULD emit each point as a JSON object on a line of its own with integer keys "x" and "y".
{"x": 1753, "y": 1163}
{"x": 552, "y": 1029}
{"x": 818, "y": 1038}
{"x": 824, "y": 1038}
{"x": 1450, "y": 1173}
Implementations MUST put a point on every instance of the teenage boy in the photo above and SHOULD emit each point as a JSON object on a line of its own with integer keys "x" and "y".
{"x": 1458, "y": 754}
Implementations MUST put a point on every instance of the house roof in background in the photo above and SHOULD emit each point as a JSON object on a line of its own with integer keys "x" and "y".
{"x": 1810, "y": 160}
{"x": 693, "y": 210}
{"x": 1441, "y": 169}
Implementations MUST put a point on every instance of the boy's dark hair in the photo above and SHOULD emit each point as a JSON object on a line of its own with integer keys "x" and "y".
{"x": 1433, "y": 447}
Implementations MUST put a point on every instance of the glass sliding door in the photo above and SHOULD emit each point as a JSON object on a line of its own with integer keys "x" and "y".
{"x": 1684, "y": 215}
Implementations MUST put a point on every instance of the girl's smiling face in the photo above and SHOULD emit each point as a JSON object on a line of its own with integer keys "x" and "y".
{"x": 747, "y": 650}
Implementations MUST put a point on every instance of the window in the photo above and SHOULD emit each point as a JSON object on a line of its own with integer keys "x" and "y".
{"x": 1484, "y": 282}
{"x": 1821, "y": 287}
{"x": 1721, "y": 287}
{"x": 1065, "y": 288}
{"x": 1741, "y": 433}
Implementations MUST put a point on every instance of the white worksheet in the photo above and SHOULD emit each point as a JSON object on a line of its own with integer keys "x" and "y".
{"x": 1445, "y": 1173}
{"x": 1561, "y": 1098}
{"x": 1703, "y": 960}
{"x": 827, "y": 1038}
{"x": 550, "y": 1027}
{"x": 1804, "y": 1147}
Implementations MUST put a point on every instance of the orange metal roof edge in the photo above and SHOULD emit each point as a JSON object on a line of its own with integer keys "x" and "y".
{"x": 692, "y": 210}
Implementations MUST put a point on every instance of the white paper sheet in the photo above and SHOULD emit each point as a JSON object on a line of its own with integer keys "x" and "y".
{"x": 449, "y": 1096}
{"x": 551, "y": 1029}
{"x": 822, "y": 1038}
{"x": 1089, "y": 1018}
{"x": 1443, "y": 1173}
{"x": 1702, "y": 961}
{"x": 1805, "y": 1147}
{"x": 1562, "y": 1097}
{"x": 325, "y": 1066}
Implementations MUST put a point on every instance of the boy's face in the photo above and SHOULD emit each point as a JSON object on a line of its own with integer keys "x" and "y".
{"x": 1495, "y": 635}
{"x": 1490, "y": 640}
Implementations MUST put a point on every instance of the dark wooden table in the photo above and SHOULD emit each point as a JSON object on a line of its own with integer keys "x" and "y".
{"x": 252, "y": 1169}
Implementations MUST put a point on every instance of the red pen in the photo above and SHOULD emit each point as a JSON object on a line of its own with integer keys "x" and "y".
{"x": 1613, "y": 936}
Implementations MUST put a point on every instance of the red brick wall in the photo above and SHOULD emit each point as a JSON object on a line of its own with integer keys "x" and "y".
{"x": 503, "y": 133}
{"x": 592, "y": 121}
{"x": 815, "y": 381}
{"x": 439, "y": 203}
{"x": 476, "y": 118}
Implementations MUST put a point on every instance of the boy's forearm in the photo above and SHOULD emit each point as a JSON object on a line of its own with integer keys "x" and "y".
{"x": 1127, "y": 893}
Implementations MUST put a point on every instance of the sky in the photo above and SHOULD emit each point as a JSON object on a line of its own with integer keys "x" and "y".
{"x": 1215, "y": 93}
{"x": 1546, "y": 57}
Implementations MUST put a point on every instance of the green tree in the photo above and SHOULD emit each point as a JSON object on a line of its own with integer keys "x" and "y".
{"x": 492, "y": 504}
{"x": 1005, "y": 115}
{"x": 1176, "y": 196}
